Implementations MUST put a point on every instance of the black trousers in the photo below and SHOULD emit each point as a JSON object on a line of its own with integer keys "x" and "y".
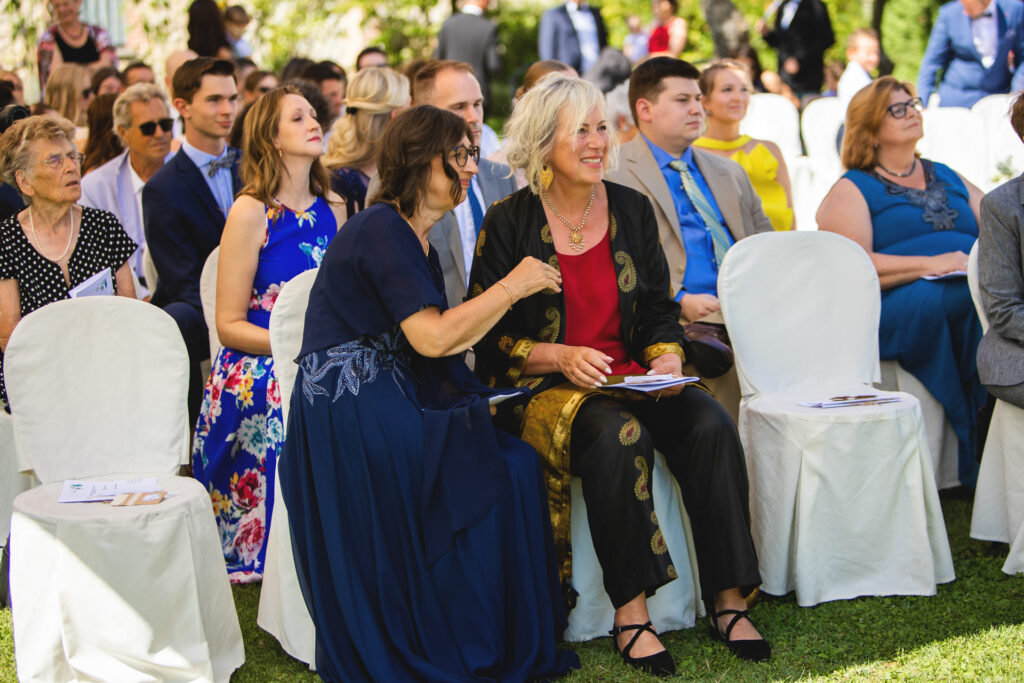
{"x": 612, "y": 451}
{"x": 197, "y": 342}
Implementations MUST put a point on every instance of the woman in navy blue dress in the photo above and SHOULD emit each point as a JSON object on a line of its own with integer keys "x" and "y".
{"x": 915, "y": 218}
{"x": 420, "y": 531}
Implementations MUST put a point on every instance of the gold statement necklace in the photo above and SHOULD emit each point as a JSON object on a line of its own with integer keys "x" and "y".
{"x": 575, "y": 231}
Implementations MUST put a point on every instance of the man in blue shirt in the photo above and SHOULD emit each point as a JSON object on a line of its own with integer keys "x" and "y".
{"x": 666, "y": 104}
{"x": 703, "y": 203}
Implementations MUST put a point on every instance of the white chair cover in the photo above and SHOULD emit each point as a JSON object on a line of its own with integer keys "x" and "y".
{"x": 149, "y": 268}
{"x": 952, "y": 136}
{"x": 843, "y": 500}
{"x": 999, "y": 497}
{"x": 208, "y": 295}
{"x": 1004, "y": 153}
{"x": 675, "y": 606}
{"x": 90, "y": 365}
{"x": 283, "y": 612}
{"x": 974, "y": 286}
{"x": 105, "y": 593}
{"x": 819, "y": 125}
{"x": 942, "y": 441}
{"x": 12, "y": 481}
{"x": 773, "y": 117}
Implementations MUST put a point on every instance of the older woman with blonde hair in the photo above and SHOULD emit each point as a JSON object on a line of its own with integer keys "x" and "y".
{"x": 372, "y": 99}
{"x": 279, "y": 226}
{"x": 53, "y": 245}
{"x": 533, "y": 75}
{"x": 614, "y": 316}
{"x": 916, "y": 219}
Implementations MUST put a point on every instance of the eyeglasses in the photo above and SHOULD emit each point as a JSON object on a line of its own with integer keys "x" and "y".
{"x": 461, "y": 154}
{"x": 56, "y": 161}
{"x": 149, "y": 127}
{"x": 899, "y": 110}
{"x": 86, "y": 93}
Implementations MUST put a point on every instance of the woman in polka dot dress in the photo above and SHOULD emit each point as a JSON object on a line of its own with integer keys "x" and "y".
{"x": 278, "y": 227}
{"x": 53, "y": 245}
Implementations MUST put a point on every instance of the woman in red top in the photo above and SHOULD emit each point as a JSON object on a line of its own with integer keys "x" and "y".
{"x": 615, "y": 315}
{"x": 669, "y": 36}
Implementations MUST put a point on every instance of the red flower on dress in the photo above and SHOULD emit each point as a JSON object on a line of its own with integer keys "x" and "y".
{"x": 249, "y": 536}
{"x": 247, "y": 490}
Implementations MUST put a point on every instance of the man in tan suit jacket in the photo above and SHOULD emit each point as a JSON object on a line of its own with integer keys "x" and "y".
{"x": 666, "y": 103}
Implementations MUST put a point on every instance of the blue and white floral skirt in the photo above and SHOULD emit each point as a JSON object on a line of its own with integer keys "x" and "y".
{"x": 237, "y": 441}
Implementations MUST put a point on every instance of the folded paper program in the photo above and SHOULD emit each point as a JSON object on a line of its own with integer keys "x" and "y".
{"x": 80, "y": 491}
{"x": 647, "y": 383}
{"x": 859, "y": 400}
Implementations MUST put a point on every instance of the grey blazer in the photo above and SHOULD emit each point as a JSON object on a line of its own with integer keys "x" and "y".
{"x": 496, "y": 183}
{"x": 1000, "y": 274}
{"x": 729, "y": 183}
{"x": 474, "y": 40}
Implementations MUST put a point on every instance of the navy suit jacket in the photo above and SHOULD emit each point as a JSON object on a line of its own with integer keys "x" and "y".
{"x": 951, "y": 47}
{"x": 183, "y": 225}
{"x": 557, "y": 36}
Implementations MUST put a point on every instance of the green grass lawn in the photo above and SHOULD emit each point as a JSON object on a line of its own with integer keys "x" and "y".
{"x": 971, "y": 630}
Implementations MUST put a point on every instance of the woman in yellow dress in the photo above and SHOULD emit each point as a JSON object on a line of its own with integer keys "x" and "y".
{"x": 726, "y": 87}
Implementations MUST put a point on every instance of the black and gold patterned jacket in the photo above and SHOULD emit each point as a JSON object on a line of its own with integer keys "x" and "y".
{"x": 515, "y": 228}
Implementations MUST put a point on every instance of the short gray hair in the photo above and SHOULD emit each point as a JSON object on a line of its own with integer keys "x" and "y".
{"x": 18, "y": 141}
{"x": 140, "y": 92}
{"x": 535, "y": 122}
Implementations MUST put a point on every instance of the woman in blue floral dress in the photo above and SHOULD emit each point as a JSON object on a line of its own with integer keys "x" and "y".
{"x": 278, "y": 227}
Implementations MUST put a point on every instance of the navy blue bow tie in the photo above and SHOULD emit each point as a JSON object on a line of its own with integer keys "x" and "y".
{"x": 224, "y": 162}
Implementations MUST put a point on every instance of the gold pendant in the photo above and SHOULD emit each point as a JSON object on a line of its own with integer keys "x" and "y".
{"x": 576, "y": 239}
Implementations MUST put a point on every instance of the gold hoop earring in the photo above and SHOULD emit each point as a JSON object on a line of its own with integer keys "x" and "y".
{"x": 546, "y": 176}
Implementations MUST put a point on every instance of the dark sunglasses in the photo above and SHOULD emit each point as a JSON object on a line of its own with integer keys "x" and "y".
{"x": 149, "y": 127}
{"x": 86, "y": 93}
{"x": 899, "y": 110}
{"x": 461, "y": 154}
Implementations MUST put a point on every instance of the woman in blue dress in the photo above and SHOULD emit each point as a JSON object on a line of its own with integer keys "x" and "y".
{"x": 915, "y": 218}
{"x": 278, "y": 227}
{"x": 420, "y": 530}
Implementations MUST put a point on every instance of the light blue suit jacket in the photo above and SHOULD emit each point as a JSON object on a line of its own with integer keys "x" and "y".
{"x": 951, "y": 47}
{"x": 109, "y": 187}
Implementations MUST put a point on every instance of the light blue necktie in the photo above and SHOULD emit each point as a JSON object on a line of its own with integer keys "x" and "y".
{"x": 719, "y": 236}
{"x": 476, "y": 209}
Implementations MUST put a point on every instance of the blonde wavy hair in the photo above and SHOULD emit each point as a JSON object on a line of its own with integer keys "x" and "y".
{"x": 549, "y": 113}
{"x": 261, "y": 161}
{"x": 64, "y": 89}
{"x": 371, "y": 96}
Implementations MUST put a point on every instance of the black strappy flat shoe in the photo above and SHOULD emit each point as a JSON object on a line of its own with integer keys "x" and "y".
{"x": 750, "y": 650}
{"x": 659, "y": 664}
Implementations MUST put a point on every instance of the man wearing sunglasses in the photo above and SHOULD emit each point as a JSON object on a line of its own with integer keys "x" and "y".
{"x": 142, "y": 121}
